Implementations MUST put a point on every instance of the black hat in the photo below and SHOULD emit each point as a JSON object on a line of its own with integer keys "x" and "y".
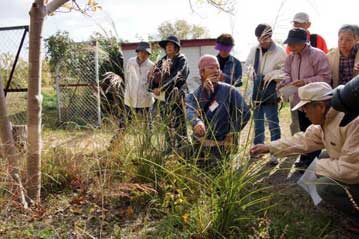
{"x": 144, "y": 46}
{"x": 172, "y": 39}
{"x": 296, "y": 35}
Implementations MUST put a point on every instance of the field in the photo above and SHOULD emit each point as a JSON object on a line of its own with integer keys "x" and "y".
{"x": 97, "y": 186}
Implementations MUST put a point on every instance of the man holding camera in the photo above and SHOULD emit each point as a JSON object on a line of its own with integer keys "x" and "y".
{"x": 338, "y": 182}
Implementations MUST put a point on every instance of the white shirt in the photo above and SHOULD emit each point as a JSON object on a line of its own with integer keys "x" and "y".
{"x": 272, "y": 59}
{"x": 271, "y": 63}
{"x": 136, "y": 87}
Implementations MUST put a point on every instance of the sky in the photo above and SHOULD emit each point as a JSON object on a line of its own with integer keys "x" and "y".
{"x": 134, "y": 20}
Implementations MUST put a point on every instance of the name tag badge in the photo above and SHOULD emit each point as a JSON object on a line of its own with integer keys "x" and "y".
{"x": 213, "y": 106}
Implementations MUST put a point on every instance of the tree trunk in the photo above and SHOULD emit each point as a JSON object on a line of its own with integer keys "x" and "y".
{"x": 33, "y": 184}
{"x": 37, "y": 15}
{"x": 6, "y": 136}
{"x": 10, "y": 153}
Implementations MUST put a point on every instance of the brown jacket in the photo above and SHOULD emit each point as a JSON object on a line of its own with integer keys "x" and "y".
{"x": 341, "y": 143}
{"x": 333, "y": 58}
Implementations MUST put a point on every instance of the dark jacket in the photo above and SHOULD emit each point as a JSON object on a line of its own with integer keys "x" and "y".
{"x": 222, "y": 112}
{"x": 232, "y": 71}
{"x": 176, "y": 77}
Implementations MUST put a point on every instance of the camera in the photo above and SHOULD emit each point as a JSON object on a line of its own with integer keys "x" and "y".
{"x": 345, "y": 99}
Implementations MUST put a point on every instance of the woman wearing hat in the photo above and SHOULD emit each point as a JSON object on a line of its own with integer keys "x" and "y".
{"x": 304, "y": 65}
{"x": 137, "y": 98}
{"x": 169, "y": 78}
{"x": 229, "y": 65}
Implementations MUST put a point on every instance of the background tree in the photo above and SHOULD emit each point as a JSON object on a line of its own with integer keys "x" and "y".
{"x": 182, "y": 29}
{"x": 58, "y": 47}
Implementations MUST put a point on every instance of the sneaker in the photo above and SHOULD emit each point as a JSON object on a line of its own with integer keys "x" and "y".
{"x": 273, "y": 160}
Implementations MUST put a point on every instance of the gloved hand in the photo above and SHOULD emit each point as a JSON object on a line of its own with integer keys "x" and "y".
{"x": 238, "y": 83}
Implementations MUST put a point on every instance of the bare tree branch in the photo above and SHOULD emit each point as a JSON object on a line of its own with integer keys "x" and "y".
{"x": 53, "y": 5}
{"x": 226, "y": 6}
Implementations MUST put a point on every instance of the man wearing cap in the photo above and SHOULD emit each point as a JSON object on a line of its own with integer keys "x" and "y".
{"x": 169, "y": 77}
{"x": 216, "y": 110}
{"x": 301, "y": 20}
{"x": 229, "y": 65}
{"x": 304, "y": 65}
{"x": 267, "y": 60}
{"x": 137, "y": 97}
{"x": 340, "y": 170}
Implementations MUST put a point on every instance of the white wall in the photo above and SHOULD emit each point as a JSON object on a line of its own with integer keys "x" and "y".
{"x": 192, "y": 54}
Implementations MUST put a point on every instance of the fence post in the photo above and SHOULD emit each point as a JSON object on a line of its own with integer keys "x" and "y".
{"x": 99, "y": 121}
{"x": 57, "y": 80}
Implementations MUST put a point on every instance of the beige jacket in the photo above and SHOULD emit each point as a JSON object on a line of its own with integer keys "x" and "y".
{"x": 341, "y": 143}
{"x": 333, "y": 58}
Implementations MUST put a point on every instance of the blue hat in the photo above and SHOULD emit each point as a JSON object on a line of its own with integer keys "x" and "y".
{"x": 296, "y": 35}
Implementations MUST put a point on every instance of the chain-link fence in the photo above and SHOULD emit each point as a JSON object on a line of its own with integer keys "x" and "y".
{"x": 14, "y": 64}
{"x": 77, "y": 86}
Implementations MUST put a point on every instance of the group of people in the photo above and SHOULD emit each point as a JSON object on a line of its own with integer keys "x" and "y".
{"x": 305, "y": 72}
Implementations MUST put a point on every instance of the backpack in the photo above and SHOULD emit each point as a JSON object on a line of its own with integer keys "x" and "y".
{"x": 260, "y": 94}
{"x": 313, "y": 40}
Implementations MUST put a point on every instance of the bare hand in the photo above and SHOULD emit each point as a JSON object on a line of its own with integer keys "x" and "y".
{"x": 208, "y": 85}
{"x": 259, "y": 149}
{"x": 221, "y": 77}
{"x": 356, "y": 67}
{"x": 199, "y": 129}
{"x": 298, "y": 83}
{"x": 156, "y": 91}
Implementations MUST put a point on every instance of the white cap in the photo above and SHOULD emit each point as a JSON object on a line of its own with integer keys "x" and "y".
{"x": 301, "y": 17}
{"x": 317, "y": 91}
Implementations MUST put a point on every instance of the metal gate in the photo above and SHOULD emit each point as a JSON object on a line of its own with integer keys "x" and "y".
{"x": 14, "y": 66}
{"x": 77, "y": 86}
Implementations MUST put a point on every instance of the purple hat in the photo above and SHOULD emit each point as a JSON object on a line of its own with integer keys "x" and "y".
{"x": 221, "y": 47}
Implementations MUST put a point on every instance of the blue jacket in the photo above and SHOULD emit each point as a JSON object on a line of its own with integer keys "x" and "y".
{"x": 232, "y": 71}
{"x": 222, "y": 112}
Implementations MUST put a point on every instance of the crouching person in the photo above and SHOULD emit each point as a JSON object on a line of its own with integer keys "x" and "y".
{"x": 338, "y": 182}
{"x": 216, "y": 111}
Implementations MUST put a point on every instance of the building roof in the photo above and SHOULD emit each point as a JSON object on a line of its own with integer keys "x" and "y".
{"x": 184, "y": 43}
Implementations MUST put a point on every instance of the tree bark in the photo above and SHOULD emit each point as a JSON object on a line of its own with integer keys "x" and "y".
{"x": 37, "y": 15}
{"x": 7, "y": 138}
{"x": 10, "y": 153}
{"x": 33, "y": 184}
